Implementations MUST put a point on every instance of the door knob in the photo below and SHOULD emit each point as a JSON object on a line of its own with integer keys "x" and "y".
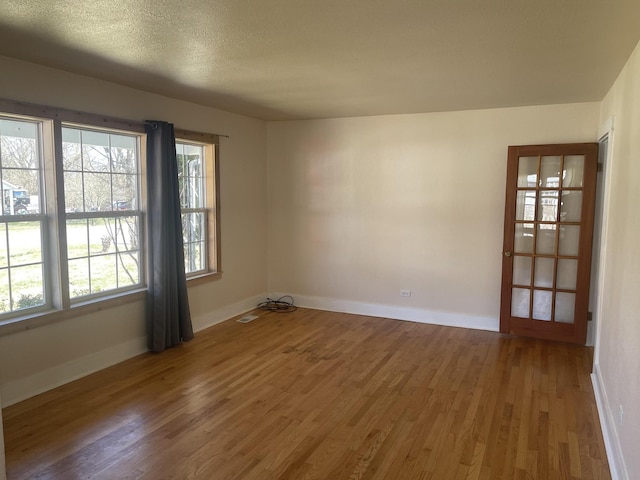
{"x": 507, "y": 254}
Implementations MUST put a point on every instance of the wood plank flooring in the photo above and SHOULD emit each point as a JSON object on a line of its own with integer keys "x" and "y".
{"x": 319, "y": 395}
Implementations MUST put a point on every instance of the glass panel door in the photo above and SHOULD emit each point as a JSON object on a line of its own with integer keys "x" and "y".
{"x": 548, "y": 222}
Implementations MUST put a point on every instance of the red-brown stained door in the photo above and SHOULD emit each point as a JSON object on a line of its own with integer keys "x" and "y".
{"x": 548, "y": 230}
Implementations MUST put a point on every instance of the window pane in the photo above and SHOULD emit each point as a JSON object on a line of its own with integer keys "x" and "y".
{"x": 95, "y": 159}
{"x": 25, "y": 244}
{"x": 103, "y": 273}
{"x": 105, "y": 247}
{"x": 97, "y": 192}
{"x": 19, "y": 144}
{"x": 79, "y": 277}
{"x": 71, "y": 152}
{"x": 27, "y": 285}
{"x": 191, "y": 175}
{"x": 101, "y": 235}
{"x": 123, "y": 154}
{"x": 124, "y": 192}
{"x": 5, "y": 292}
{"x": 128, "y": 269}
{"x": 73, "y": 192}
{"x": 194, "y": 237}
{"x": 77, "y": 238}
{"x": 19, "y": 167}
{"x": 127, "y": 234}
{"x": 107, "y": 253}
{"x": 4, "y": 254}
{"x": 109, "y": 163}
{"x": 22, "y": 282}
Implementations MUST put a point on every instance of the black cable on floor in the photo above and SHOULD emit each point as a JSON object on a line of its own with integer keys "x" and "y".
{"x": 281, "y": 305}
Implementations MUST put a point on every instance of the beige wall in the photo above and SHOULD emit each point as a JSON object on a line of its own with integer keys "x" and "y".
{"x": 617, "y": 353}
{"x": 360, "y": 208}
{"x": 3, "y": 474}
{"x": 34, "y": 360}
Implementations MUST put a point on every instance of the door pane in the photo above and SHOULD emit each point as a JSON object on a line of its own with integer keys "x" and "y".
{"x": 542, "y": 305}
{"x": 522, "y": 271}
{"x": 520, "y": 302}
{"x": 569, "y": 240}
{"x": 565, "y": 304}
{"x": 550, "y": 172}
{"x": 526, "y": 205}
{"x": 523, "y": 240}
{"x": 528, "y": 172}
{"x": 567, "y": 274}
{"x": 571, "y": 208}
{"x": 546, "y": 240}
{"x": 573, "y": 171}
{"x": 544, "y": 272}
{"x": 548, "y": 206}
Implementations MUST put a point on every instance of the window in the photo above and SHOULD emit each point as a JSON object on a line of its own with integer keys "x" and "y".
{"x": 71, "y": 221}
{"x": 22, "y": 224}
{"x": 82, "y": 244}
{"x": 103, "y": 220}
{"x": 196, "y": 178}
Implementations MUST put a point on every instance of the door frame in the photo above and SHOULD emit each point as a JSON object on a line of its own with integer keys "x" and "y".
{"x": 605, "y": 132}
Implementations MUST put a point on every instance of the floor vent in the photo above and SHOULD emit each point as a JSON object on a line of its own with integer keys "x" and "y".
{"x": 247, "y": 318}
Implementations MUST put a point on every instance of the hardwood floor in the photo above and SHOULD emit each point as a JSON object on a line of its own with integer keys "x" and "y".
{"x": 319, "y": 395}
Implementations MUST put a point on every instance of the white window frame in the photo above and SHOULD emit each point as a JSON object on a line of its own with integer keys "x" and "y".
{"x": 58, "y": 304}
{"x": 40, "y": 217}
{"x": 57, "y": 301}
{"x": 107, "y": 215}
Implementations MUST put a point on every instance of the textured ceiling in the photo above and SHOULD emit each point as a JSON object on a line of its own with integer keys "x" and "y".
{"x": 286, "y": 59}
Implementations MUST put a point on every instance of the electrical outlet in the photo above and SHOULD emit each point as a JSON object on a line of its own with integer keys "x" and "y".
{"x": 405, "y": 293}
{"x": 620, "y": 415}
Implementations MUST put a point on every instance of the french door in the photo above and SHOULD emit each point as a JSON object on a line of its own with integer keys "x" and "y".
{"x": 548, "y": 230}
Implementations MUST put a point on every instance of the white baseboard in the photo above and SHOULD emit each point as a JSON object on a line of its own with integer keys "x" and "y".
{"x": 225, "y": 313}
{"x": 17, "y": 390}
{"x": 608, "y": 425}
{"x": 449, "y": 319}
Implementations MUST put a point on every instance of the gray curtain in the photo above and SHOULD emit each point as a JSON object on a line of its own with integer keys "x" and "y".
{"x": 168, "y": 316}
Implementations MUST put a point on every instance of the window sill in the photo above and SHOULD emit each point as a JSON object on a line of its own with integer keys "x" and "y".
{"x": 203, "y": 278}
{"x": 38, "y": 319}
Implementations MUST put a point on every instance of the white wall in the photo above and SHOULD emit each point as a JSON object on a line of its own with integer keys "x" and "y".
{"x": 38, "y": 359}
{"x": 360, "y": 208}
{"x": 617, "y": 355}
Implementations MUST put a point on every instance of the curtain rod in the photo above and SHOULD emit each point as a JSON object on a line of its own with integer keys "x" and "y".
{"x": 76, "y": 116}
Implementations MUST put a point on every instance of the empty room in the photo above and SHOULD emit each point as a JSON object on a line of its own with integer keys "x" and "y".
{"x": 282, "y": 239}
